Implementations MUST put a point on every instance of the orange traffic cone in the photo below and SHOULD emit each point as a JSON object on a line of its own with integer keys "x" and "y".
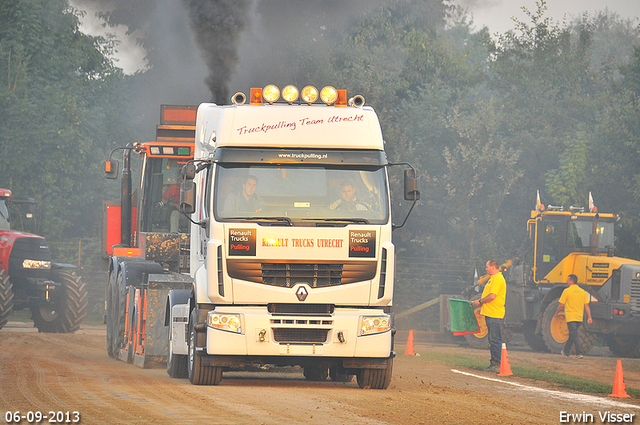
{"x": 409, "y": 351}
{"x": 505, "y": 368}
{"x": 619, "y": 389}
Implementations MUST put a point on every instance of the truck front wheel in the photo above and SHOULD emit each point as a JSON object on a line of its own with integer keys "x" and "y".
{"x": 375, "y": 379}
{"x": 6, "y": 298}
{"x": 64, "y": 311}
{"x": 198, "y": 373}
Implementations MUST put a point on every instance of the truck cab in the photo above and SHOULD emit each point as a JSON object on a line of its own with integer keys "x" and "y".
{"x": 291, "y": 250}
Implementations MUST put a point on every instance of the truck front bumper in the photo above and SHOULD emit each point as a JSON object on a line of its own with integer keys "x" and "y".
{"x": 265, "y": 335}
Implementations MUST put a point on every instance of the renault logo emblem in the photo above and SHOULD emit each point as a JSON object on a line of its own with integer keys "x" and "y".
{"x": 302, "y": 293}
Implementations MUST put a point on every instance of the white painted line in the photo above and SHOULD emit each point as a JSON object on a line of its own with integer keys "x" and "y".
{"x": 580, "y": 398}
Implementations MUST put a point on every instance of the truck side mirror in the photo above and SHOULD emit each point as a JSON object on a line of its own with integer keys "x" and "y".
{"x": 411, "y": 191}
{"x": 111, "y": 169}
{"x": 188, "y": 172}
{"x": 187, "y": 197}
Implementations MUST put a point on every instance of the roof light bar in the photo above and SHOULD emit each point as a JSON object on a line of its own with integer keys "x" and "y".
{"x": 309, "y": 94}
{"x": 271, "y": 94}
{"x": 256, "y": 96}
{"x": 329, "y": 95}
{"x": 341, "y": 100}
{"x": 290, "y": 94}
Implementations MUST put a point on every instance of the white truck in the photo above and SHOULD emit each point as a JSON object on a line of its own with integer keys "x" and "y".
{"x": 291, "y": 253}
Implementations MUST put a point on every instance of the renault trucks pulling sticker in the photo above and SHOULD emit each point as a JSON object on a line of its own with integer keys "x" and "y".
{"x": 362, "y": 243}
{"x": 242, "y": 242}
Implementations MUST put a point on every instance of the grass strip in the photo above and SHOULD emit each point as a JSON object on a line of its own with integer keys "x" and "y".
{"x": 561, "y": 380}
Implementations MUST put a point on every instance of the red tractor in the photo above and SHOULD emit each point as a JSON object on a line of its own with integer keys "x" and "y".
{"x": 56, "y": 296}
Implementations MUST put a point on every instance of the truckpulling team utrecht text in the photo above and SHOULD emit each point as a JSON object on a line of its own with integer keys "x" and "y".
{"x": 293, "y": 125}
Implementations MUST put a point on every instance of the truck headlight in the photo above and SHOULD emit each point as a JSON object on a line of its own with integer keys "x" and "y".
{"x": 225, "y": 322}
{"x": 36, "y": 264}
{"x": 375, "y": 324}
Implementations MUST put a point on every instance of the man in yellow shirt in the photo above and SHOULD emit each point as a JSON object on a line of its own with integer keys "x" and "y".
{"x": 492, "y": 307}
{"x": 575, "y": 301}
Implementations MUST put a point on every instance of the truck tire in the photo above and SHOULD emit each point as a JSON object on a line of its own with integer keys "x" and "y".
{"x": 177, "y": 364}
{"x": 65, "y": 313}
{"x": 375, "y": 379}
{"x": 199, "y": 374}
{"x": 624, "y": 345}
{"x": 6, "y": 298}
{"x": 534, "y": 340}
{"x": 556, "y": 334}
{"x": 111, "y": 314}
{"x": 116, "y": 306}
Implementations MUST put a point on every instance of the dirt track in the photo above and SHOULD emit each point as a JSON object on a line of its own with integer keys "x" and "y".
{"x": 54, "y": 372}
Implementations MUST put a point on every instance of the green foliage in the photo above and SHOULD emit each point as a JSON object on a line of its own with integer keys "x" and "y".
{"x": 60, "y": 96}
{"x": 488, "y": 122}
{"x": 567, "y": 184}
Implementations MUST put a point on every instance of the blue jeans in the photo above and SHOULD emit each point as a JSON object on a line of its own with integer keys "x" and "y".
{"x": 574, "y": 338}
{"x": 494, "y": 326}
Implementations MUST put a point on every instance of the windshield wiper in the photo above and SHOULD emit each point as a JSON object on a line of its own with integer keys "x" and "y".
{"x": 268, "y": 219}
{"x": 340, "y": 220}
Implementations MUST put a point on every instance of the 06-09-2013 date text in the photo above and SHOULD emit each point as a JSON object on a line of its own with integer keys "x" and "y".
{"x": 49, "y": 417}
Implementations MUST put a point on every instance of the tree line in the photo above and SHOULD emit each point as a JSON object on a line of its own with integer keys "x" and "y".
{"x": 489, "y": 120}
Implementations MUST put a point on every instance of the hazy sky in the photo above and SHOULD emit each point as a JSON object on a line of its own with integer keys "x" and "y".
{"x": 497, "y": 14}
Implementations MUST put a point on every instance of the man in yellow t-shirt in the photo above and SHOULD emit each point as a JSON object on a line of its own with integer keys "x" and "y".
{"x": 574, "y": 301}
{"x": 492, "y": 307}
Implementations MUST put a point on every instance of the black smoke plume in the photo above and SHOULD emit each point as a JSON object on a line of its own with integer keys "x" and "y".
{"x": 217, "y": 25}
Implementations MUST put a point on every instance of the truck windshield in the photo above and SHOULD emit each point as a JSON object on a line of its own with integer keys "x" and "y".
{"x": 162, "y": 197}
{"x": 301, "y": 195}
{"x": 578, "y": 234}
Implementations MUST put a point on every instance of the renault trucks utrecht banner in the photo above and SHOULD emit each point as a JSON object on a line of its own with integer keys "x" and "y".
{"x": 245, "y": 243}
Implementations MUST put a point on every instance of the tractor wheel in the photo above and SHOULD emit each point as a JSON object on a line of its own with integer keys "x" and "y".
{"x": 65, "y": 311}
{"x": 624, "y": 345}
{"x": 375, "y": 379}
{"x": 556, "y": 333}
{"x": 6, "y": 298}
{"x": 316, "y": 372}
{"x": 506, "y": 334}
{"x": 198, "y": 373}
{"x": 535, "y": 341}
{"x": 481, "y": 339}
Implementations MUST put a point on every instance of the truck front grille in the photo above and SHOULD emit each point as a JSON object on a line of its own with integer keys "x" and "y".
{"x": 301, "y": 309}
{"x": 288, "y": 274}
{"x": 293, "y": 335}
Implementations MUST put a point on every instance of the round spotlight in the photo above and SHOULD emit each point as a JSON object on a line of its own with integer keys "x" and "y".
{"x": 309, "y": 94}
{"x": 328, "y": 95}
{"x": 290, "y": 94}
{"x": 271, "y": 94}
